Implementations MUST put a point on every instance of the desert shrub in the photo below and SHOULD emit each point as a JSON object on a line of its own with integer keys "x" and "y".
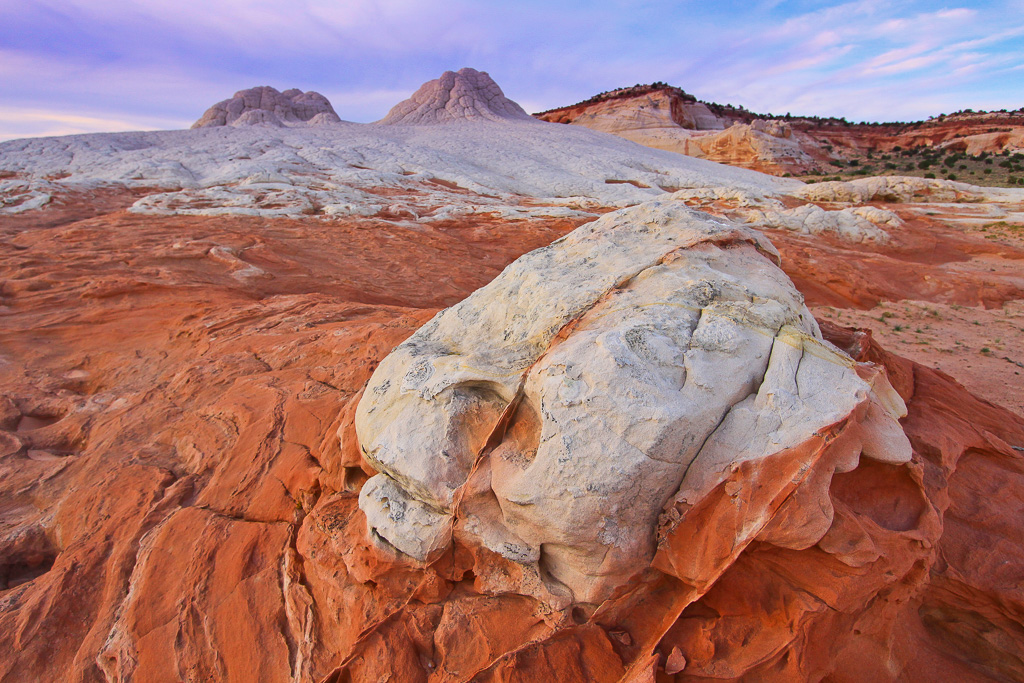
{"x": 923, "y": 164}
{"x": 929, "y": 175}
{"x": 951, "y": 176}
{"x": 988, "y": 171}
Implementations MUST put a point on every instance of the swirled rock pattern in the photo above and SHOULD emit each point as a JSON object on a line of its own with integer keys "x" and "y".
{"x": 641, "y": 359}
{"x": 175, "y": 503}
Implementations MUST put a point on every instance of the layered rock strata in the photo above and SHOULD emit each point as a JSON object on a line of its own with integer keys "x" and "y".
{"x": 666, "y": 118}
{"x": 646, "y": 358}
{"x": 654, "y": 110}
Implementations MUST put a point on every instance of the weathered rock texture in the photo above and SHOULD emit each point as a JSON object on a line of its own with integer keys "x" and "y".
{"x": 665, "y": 117}
{"x": 874, "y": 240}
{"x": 863, "y": 223}
{"x": 268, "y": 106}
{"x": 667, "y": 108}
{"x": 167, "y": 392}
{"x": 859, "y": 224}
{"x": 643, "y": 358}
{"x": 426, "y": 173}
{"x": 463, "y": 95}
{"x": 895, "y": 189}
{"x": 175, "y": 503}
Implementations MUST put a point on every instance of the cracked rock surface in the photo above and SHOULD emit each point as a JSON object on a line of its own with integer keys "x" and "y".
{"x": 553, "y": 414}
{"x": 266, "y": 105}
{"x": 507, "y": 167}
{"x": 463, "y": 95}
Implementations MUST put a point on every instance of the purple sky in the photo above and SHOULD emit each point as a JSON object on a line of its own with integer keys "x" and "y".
{"x": 70, "y": 66}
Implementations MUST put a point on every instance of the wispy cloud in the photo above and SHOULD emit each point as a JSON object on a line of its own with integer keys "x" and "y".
{"x": 23, "y": 122}
{"x": 130, "y": 62}
{"x": 879, "y": 63}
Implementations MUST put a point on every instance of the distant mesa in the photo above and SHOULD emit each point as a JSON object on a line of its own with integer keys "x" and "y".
{"x": 267, "y": 106}
{"x": 665, "y": 117}
{"x": 657, "y": 105}
{"x": 463, "y": 95}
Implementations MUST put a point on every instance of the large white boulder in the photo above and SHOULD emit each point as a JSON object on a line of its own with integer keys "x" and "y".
{"x": 554, "y": 412}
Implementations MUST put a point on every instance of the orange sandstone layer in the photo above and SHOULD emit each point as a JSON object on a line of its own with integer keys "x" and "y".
{"x": 666, "y": 118}
{"x": 175, "y": 505}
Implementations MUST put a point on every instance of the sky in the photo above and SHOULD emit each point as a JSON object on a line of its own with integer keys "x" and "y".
{"x": 78, "y": 66}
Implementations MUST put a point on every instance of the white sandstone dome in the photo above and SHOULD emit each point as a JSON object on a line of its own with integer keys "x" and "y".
{"x": 463, "y": 95}
{"x": 267, "y": 106}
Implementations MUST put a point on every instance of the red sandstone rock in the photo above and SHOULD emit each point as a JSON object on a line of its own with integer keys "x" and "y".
{"x": 666, "y": 118}
{"x": 190, "y": 515}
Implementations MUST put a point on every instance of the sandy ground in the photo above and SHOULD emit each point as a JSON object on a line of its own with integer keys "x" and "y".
{"x": 982, "y": 348}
